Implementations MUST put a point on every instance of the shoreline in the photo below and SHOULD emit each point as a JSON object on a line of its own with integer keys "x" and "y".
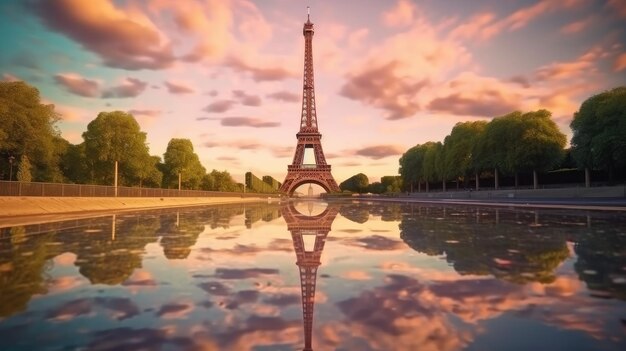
{"x": 25, "y": 210}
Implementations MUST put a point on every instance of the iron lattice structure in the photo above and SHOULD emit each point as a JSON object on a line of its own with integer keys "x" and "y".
{"x": 309, "y": 136}
{"x": 299, "y": 226}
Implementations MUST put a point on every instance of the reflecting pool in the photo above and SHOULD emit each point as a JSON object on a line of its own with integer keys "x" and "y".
{"x": 317, "y": 276}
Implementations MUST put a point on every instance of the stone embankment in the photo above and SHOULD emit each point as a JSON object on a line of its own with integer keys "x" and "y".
{"x": 32, "y": 209}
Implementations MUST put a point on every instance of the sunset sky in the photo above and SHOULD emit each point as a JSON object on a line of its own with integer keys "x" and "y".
{"x": 227, "y": 74}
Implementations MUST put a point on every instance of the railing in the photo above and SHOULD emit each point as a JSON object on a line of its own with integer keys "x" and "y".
{"x": 83, "y": 190}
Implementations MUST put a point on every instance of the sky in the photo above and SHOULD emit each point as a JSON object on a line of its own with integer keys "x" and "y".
{"x": 227, "y": 74}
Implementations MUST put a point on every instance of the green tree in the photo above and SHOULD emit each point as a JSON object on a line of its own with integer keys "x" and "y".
{"x": 357, "y": 183}
{"x": 411, "y": 164}
{"x": 539, "y": 143}
{"x": 74, "y": 164}
{"x": 148, "y": 173}
{"x": 376, "y": 188}
{"x": 179, "y": 158}
{"x": 28, "y": 128}
{"x": 23, "y": 170}
{"x": 223, "y": 181}
{"x": 115, "y": 136}
{"x": 599, "y": 128}
{"x": 496, "y": 143}
{"x": 459, "y": 150}
{"x": 391, "y": 184}
{"x": 431, "y": 167}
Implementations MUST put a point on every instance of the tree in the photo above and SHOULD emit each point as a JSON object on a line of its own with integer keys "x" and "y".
{"x": 29, "y": 128}
{"x": 74, "y": 164}
{"x": 376, "y": 188}
{"x": 148, "y": 173}
{"x": 391, "y": 184}
{"x": 495, "y": 144}
{"x": 411, "y": 164}
{"x": 23, "y": 170}
{"x": 223, "y": 181}
{"x": 459, "y": 149}
{"x": 599, "y": 128}
{"x": 538, "y": 146}
{"x": 179, "y": 158}
{"x": 115, "y": 136}
{"x": 431, "y": 167}
{"x": 357, "y": 183}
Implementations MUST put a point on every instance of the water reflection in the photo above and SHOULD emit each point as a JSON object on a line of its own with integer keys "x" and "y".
{"x": 372, "y": 277}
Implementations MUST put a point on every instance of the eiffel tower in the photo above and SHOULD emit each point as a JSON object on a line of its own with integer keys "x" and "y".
{"x": 305, "y": 229}
{"x": 309, "y": 137}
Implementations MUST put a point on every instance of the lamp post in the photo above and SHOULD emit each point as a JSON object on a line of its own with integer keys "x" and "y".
{"x": 11, "y": 159}
{"x": 179, "y": 180}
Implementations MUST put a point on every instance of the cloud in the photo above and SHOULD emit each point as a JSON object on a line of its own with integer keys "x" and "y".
{"x": 521, "y": 80}
{"x": 237, "y": 144}
{"x": 245, "y": 99}
{"x": 383, "y": 87}
{"x": 8, "y": 77}
{"x": 219, "y": 106}
{"x": 243, "y": 273}
{"x": 376, "y": 242}
{"x": 620, "y": 63}
{"x": 285, "y": 96}
{"x": 577, "y": 26}
{"x": 130, "y": 87}
{"x": 178, "y": 88}
{"x": 146, "y": 113}
{"x": 486, "y": 25}
{"x": 175, "y": 310}
{"x": 618, "y": 6}
{"x": 123, "y": 39}
{"x": 259, "y": 74}
{"x": 380, "y": 151}
{"x": 400, "y": 15}
{"x": 78, "y": 85}
{"x": 247, "y": 122}
{"x": 473, "y": 95}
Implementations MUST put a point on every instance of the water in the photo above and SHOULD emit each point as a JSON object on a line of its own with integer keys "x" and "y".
{"x": 385, "y": 277}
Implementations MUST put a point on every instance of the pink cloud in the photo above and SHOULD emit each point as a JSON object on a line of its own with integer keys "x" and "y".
{"x": 380, "y": 151}
{"x": 145, "y": 113}
{"x": 257, "y": 72}
{"x": 571, "y": 69}
{"x": 8, "y": 77}
{"x": 246, "y": 99}
{"x": 123, "y": 39}
{"x": 130, "y": 87}
{"x": 78, "y": 85}
{"x": 618, "y": 6}
{"x": 473, "y": 95}
{"x": 577, "y": 26}
{"x": 285, "y": 96}
{"x": 247, "y": 122}
{"x": 219, "y": 106}
{"x": 400, "y": 15}
{"x": 385, "y": 88}
{"x": 178, "y": 88}
{"x": 620, "y": 63}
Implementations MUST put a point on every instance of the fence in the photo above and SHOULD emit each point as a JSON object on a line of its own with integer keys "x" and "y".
{"x": 82, "y": 190}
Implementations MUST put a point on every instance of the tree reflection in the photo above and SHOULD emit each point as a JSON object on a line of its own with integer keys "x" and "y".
{"x": 601, "y": 260}
{"x": 108, "y": 260}
{"x": 22, "y": 263}
{"x": 506, "y": 248}
{"x": 179, "y": 232}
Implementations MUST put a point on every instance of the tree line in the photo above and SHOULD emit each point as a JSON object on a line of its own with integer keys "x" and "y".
{"x": 32, "y": 149}
{"x": 520, "y": 142}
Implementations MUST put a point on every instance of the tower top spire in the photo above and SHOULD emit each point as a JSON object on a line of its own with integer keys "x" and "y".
{"x": 308, "y": 14}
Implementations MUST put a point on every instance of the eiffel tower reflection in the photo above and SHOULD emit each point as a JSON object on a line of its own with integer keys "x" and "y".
{"x": 308, "y": 234}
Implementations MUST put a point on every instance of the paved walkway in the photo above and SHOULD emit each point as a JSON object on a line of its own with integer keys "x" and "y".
{"x": 21, "y": 210}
